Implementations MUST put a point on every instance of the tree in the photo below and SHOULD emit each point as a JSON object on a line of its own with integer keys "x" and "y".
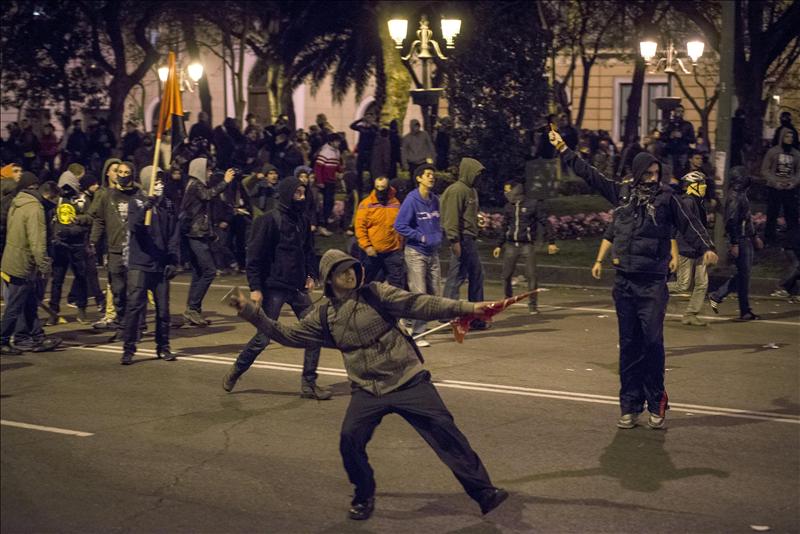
{"x": 495, "y": 88}
{"x": 119, "y": 40}
{"x": 42, "y": 45}
{"x": 767, "y": 48}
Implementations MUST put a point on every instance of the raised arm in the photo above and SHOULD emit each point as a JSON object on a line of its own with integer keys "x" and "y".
{"x": 604, "y": 186}
{"x": 400, "y": 303}
{"x": 306, "y": 334}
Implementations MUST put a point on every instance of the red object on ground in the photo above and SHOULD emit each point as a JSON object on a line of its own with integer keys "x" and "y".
{"x": 461, "y": 324}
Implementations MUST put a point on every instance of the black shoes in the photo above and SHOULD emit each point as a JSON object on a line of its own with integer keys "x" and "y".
{"x": 194, "y": 317}
{"x": 491, "y": 499}
{"x": 127, "y": 358}
{"x": 310, "y": 390}
{"x": 230, "y": 379}
{"x": 361, "y": 510}
{"x": 46, "y": 344}
{"x": 166, "y": 354}
{"x": 749, "y": 316}
{"x": 8, "y": 350}
{"x": 714, "y": 304}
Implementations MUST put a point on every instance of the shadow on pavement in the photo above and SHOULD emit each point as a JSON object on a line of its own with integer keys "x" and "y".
{"x": 686, "y": 351}
{"x": 12, "y": 366}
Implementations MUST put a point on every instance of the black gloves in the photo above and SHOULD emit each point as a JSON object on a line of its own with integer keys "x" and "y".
{"x": 170, "y": 271}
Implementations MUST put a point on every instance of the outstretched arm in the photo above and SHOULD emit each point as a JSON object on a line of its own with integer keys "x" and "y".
{"x": 604, "y": 186}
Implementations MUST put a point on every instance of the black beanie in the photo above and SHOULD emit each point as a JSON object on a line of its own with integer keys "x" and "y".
{"x": 27, "y": 180}
{"x": 87, "y": 181}
{"x": 422, "y": 168}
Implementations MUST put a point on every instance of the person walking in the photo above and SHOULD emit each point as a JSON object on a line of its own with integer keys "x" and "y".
{"x": 195, "y": 222}
{"x": 522, "y": 218}
{"x": 24, "y": 261}
{"x": 281, "y": 268}
{"x": 377, "y": 237}
{"x": 460, "y": 222}
{"x": 326, "y": 168}
{"x": 386, "y": 372}
{"x": 152, "y": 263}
{"x": 646, "y": 214}
{"x": 781, "y": 169}
{"x": 742, "y": 239}
{"x": 419, "y": 223}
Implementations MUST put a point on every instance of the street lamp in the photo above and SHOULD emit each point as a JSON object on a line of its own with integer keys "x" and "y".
{"x": 194, "y": 72}
{"x": 424, "y": 48}
{"x": 648, "y": 48}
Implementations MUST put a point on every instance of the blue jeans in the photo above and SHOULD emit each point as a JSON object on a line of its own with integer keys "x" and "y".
{"x": 20, "y": 319}
{"x": 466, "y": 267}
{"x": 740, "y": 281}
{"x": 424, "y": 277}
{"x": 274, "y": 299}
{"x": 203, "y": 272}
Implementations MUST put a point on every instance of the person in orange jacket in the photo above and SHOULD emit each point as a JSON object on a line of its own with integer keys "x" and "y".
{"x": 377, "y": 238}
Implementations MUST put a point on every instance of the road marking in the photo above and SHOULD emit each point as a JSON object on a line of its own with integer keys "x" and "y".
{"x": 483, "y": 387}
{"x": 53, "y": 429}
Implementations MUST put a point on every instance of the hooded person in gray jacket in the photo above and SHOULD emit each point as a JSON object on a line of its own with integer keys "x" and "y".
{"x": 385, "y": 370}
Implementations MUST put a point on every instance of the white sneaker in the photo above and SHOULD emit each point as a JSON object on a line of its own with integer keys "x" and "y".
{"x": 423, "y": 343}
{"x": 628, "y": 420}
{"x": 656, "y": 422}
{"x": 324, "y": 232}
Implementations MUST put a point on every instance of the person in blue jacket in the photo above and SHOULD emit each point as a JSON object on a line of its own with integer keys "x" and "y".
{"x": 646, "y": 213}
{"x": 418, "y": 221}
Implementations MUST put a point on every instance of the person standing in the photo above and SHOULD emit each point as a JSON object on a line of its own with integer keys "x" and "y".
{"x": 131, "y": 141}
{"x": 742, "y": 239}
{"x": 522, "y": 218}
{"x": 110, "y": 217}
{"x": 679, "y": 136}
{"x": 381, "y": 155}
{"x": 48, "y": 150}
{"x": 327, "y": 166}
{"x": 262, "y": 188}
{"x": 374, "y": 228}
{"x": 202, "y": 128}
{"x": 417, "y": 147}
{"x": 460, "y": 222}
{"x": 419, "y": 223}
{"x": 781, "y": 169}
{"x": 780, "y": 131}
{"x": 645, "y": 215}
{"x": 443, "y": 141}
{"x": 195, "y": 221}
{"x": 152, "y": 263}
{"x": 367, "y": 128}
{"x": 24, "y": 261}
{"x": 281, "y": 268}
{"x": 385, "y": 370}
{"x": 108, "y": 181}
{"x": 9, "y": 182}
{"x": 692, "y": 273}
{"x": 395, "y": 143}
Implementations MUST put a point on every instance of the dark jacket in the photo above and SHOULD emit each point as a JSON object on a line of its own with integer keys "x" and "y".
{"x": 152, "y": 247}
{"x": 694, "y": 206}
{"x": 280, "y": 251}
{"x": 72, "y": 221}
{"x": 195, "y": 207}
{"x": 520, "y": 220}
{"x": 643, "y": 223}
{"x": 738, "y": 218}
{"x": 109, "y": 213}
{"x": 263, "y": 196}
{"x": 459, "y": 203}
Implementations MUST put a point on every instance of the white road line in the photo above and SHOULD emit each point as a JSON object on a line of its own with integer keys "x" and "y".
{"x": 53, "y": 429}
{"x": 698, "y": 409}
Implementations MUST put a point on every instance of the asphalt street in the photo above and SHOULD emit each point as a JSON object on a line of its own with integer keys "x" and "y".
{"x": 91, "y": 446}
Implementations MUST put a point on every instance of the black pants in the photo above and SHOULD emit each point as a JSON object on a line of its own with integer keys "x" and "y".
{"x": 203, "y": 272}
{"x": 363, "y": 162}
{"x": 92, "y": 283}
{"x": 240, "y": 229}
{"x": 389, "y": 266}
{"x": 641, "y": 302}
{"x": 466, "y": 267}
{"x": 221, "y": 248}
{"x": 139, "y": 282}
{"x": 274, "y": 299}
{"x": 118, "y": 278}
{"x": 419, "y": 403}
{"x": 66, "y": 257}
{"x": 777, "y": 199}
{"x": 328, "y": 197}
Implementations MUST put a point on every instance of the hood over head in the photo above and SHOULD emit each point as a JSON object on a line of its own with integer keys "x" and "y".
{"x": 640, "y": 164}
{"x": 468, "y": 170}
{"x": 286, "y": 189}
{"x": 269, "y": 167}
{"x": 68, "y": 179}
{"x": 145, "y": 175}
{"x": 27, "y": 180}
{"x": 333, "y": 261}
{"x": 739, "y": 178}
{"x": 106, "y": 165}
{"x": 198, "y": 168}
{"x": 302, "y": 169}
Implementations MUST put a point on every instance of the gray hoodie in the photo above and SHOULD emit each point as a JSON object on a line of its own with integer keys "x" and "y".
{"x": 377, "y": 356}
{"x": 459, "y": 203}
{"x": 198, "y": 168}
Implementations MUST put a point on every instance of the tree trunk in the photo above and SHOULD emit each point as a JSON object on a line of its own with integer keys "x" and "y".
{"x": 117, "y": 93}
{"x": 398, "y": 80}
{"x": 287, "y": 102}
{"x": 632, "y": 121}
{"x": 749, "y": 83}
{"x": 587, "y": 69}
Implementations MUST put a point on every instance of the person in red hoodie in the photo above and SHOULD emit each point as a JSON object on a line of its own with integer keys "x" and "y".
{"x": 48, "y": 149}
{"x": 326, "y": 168}
{"x": 382, "y": 245}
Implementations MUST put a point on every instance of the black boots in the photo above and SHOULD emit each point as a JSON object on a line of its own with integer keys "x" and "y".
{"x": 361, "y": 510}
{"x": 491, "y": 499}
{"x": 166, "y": 354}
{"x": 230, "y": 379}
{"x": 310, "y": 390}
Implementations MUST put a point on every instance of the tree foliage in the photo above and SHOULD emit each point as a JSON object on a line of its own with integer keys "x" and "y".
{"x": 496, "y": 89}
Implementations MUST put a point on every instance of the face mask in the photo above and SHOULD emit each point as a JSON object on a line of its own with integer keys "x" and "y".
{"x": 648, "y": 189}
{"x": 698, "y": 190}
{"x": 383, "y": 195}
{"x": 48, "y": 205}
{"x": 125, "y": 182}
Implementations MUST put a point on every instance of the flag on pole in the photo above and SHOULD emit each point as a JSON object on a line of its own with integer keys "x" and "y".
{"x": 171, "y": 116}
{"x": 461, "y": 325}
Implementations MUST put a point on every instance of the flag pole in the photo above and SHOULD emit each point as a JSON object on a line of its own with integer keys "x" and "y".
{"x": 163, "y": 117}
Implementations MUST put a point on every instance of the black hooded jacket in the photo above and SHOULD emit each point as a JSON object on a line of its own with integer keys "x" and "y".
{"x": 153, "y": 247}
{"x": 738, "y": 219}
{"x": 643, "y": 223}
{"x": 280, "y": 251}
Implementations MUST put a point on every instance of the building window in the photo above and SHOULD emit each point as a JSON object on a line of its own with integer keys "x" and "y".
{"x": 648, "y": 112}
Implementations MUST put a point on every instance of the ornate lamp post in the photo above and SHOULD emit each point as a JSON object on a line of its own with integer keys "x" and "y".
{"x": 648, "y": 48}
{"x": 424, "y": 47}
{"x": 194, "y": 72}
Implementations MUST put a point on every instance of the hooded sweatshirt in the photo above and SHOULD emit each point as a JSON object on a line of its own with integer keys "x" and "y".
{"x": 280, "y": 250}
{"x": 263, "y": 196}
{"x": 460, "y": 203}
{"x": 25, "y": 252}
{"x": 781, "y": 167}
{"x": 153, "y": 247}
{"x": 109, "y": 213}
{"x": 377, "y": 356}
{"x": 195, "y": 205}
{"x": 72, "y": 220}
{"x": 738, "y": 218}
{"x": 374, "y": 225}
{"x": 419, "y": 222}
{"x": 645, "y": 217}
{"x": 521, "y": 218}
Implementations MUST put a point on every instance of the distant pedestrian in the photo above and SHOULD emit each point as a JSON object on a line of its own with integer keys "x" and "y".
{"x": 417, "y": 147}
{"x": 377, "y": 237}
{"x": 781, "y": 169}
{"x": 367, "y": 128}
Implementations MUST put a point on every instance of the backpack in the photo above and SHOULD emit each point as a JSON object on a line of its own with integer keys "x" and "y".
{"x": 372, "y": 300}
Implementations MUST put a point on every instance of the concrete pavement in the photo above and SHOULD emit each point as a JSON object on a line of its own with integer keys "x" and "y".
{"x": 170, "y": 451}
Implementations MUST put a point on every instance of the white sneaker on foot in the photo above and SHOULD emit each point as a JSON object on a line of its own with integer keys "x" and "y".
{"x": 423, "y": 343}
